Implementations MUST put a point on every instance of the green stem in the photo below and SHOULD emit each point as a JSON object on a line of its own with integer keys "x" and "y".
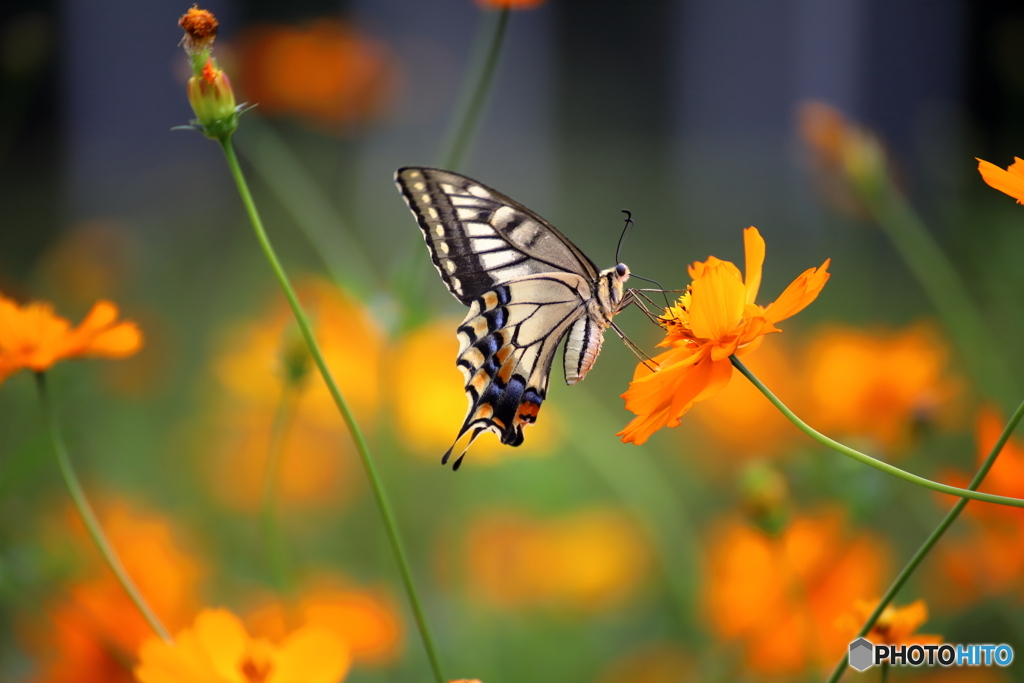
{"x": 472, "y": 100}
{"x": 311, "y": 209}
{"x": 934, "y": 537}
{"x": 355, "y": 430}
{"x": 867, "y": 459}
{"x": 277, "y": 556}
{"x": 943, "y": 286}
{"x": 885, "y": 673}
{"x": 88, "y": 516}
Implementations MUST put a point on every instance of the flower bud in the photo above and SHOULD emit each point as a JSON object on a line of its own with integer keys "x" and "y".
{"x": 765, "y": 496}
{"x": 213, "y": 101}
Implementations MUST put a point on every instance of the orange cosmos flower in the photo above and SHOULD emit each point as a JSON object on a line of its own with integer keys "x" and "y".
{"x": 367, "y": 620}
{"x": 895, "y": 626}
{"x": 326, "y": 72}
{"x": 217, "y": 649}
{"x": 93, "y": 632}
{"x": 880, "y": 384}
{"x": 33, "y": 337}
{"x": 780, "y": 596}
{"x": 715, "y": 318}
{"x": 1010, "y": 181}
{"x": 990, "y": 559}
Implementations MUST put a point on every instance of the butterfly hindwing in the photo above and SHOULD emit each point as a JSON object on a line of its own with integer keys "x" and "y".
{"x": 507, "y": 344}
{"x": 479, "y": 238}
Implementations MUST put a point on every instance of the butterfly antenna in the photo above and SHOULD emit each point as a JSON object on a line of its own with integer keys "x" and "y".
{"x": 622, "y": 237}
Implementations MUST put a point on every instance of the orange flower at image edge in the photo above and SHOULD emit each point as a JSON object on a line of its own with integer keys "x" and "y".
{"x": 33, "y": 337}
{"x": 1010, "y": 181}
{"x": 895, "y": 626}
{"x": 218, "y": 649}
{"x": 715, "y": 318}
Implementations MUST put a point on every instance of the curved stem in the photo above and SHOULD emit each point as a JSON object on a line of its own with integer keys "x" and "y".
{"x": 89, "y": 517}
{"x": 867, "y": 459}
{"x": 363, "y": 448}
{"x": 277, "y": 557}
{"x": 933, "y": 538}
{"x": 473, "y": 99}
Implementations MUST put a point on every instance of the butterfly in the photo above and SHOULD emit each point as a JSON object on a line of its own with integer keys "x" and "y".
{"x": 527, "y": 287}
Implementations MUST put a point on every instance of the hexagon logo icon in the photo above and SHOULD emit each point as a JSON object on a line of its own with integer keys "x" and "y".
{"x": 861, "y": 654}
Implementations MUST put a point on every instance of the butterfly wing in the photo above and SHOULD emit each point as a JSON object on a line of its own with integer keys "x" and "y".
{"x": 506, "y": 347}
{"x": 479, "y": 238}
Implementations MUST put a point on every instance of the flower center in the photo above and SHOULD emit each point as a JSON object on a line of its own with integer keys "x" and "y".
{"x": 256, "y": 668}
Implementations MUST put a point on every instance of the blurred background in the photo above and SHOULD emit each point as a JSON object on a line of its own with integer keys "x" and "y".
{"x": 731, "y": 548}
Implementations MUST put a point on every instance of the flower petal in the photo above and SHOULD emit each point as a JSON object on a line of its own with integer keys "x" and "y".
{"x": 718, "y": 298}
{"x": 1009, "y": 181}
{"x": 311, "y": 655}
{"x": 753, "y": 247}
{"x": 800, "y": 293}
{"x": 117, "y": 342}
{"x": 662, "y": 397}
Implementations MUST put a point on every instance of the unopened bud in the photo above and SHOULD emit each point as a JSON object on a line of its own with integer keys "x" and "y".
{"x": 765, "y": 495}
{"x": 213, "y": 101}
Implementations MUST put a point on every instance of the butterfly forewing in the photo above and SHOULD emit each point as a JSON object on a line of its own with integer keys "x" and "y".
{"x": 478, "y": 237}
{"x": 527, "y": 287}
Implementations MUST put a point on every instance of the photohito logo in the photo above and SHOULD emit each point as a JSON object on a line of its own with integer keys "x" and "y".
{"x": 865, "y": 654}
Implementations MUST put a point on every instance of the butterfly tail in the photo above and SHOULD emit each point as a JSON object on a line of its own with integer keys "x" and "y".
{"x": 461, "y": 445}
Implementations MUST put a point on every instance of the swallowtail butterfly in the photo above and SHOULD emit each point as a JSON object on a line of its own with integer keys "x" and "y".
{"x": 527, "y": 287}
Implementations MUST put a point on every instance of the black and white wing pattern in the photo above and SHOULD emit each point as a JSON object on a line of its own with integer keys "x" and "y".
{"x": 478, "y": 237}
{"x": 526, "y": 286}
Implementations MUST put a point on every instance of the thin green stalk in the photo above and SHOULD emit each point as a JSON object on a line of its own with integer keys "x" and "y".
{"x": 277, "y": 557}
{"x": 355, "y": 430}
{"x": 473, "y": 95}
{"x": 88, "y": 516}
{"x": 943, "y": 286}
{"x": 885, "y": 673}
{"x": 473, "y": 98}
{"x": 934, "y": 537}
{"x": 310, "y": 208}
{"x": 867, "y": 459}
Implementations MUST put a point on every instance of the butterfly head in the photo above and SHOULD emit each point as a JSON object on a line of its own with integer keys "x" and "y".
{"x": 610, "y": 287}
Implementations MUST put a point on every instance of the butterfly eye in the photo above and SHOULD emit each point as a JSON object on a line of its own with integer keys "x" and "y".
{"x": 621, "y": 270}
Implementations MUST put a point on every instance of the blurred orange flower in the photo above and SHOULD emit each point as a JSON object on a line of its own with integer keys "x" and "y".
{"x": 745, "y": 422}
{"x": 843, "y": 155}
{"x": 423, "y": 365}
{"x": 93, "y": 633}
{"x": 33, "y": 337}
{"x": 588, "y": 561}
{"x": 254, "y": 369}
{"x": 653, "y": 663}
{"x": 879, "y": 384}
{"x": 326, "y": 71}
{"x": 715, "y": 318}
{"x": 252, "y": 365}
{"x": 217, "y": 649}
{"x": 1010, "y": 181}
{"x": 367, "y": 621}
{"x": 989, "y": 560}
{"x": 895, "y": 626}
{"x": 782, "y": 596}
{"x": 314, "y": 467}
